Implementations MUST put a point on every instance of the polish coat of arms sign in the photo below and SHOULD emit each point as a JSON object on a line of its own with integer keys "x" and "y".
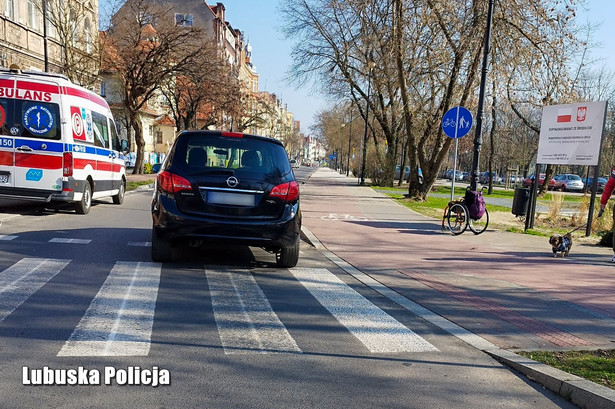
{"x": 571, "y": 134}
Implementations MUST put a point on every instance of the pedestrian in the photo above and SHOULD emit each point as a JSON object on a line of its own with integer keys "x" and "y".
{"x": 606, "y": 194}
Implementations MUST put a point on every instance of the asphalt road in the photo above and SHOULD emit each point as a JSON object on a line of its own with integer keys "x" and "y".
{"x": 223, "y": 327}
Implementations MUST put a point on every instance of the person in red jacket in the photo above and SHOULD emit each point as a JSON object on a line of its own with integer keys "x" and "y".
{"x": 606, "y": 194}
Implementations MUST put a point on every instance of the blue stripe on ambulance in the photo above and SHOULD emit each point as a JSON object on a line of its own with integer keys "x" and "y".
{"x": 38, "y": 145}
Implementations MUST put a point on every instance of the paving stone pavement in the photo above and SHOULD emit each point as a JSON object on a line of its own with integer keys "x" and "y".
{"x": 505, "y": 288}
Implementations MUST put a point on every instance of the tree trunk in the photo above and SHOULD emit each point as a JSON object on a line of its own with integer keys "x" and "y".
{"x": 137, "y": 127}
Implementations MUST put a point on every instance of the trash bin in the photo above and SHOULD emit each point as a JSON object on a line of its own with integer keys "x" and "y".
{"x": 521, "y": 201}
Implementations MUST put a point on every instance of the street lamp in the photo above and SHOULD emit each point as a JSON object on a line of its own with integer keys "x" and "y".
{"x": 478, "y": 140}
{"x": 341, "y": 168}
{"x": 369, "y": 83}
{"x": 45, "y": 39}
{"x": 349, "y": 140}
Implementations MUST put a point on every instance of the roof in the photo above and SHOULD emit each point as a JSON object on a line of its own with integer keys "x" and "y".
{"x": 164, "y": 120}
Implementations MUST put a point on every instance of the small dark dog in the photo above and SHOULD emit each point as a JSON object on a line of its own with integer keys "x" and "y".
{"x": 561, "y": 244}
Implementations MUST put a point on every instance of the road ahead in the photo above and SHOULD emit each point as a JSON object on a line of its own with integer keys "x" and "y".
{"x": 224, "y": 327}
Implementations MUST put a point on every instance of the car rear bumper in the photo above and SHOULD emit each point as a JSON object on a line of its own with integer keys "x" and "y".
{"x": 173, "y": 225}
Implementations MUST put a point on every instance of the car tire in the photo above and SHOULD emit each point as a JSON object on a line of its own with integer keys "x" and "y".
{"x": 83, "y": 206}
{"x": 161, "y": 249}
{"x": 119, "y": 198}
{"x": 288, "y": 257}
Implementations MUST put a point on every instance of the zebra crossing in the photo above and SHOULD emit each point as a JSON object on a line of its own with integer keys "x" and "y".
{"x": 66, "y": 240}
{"x": 120, "y": 318}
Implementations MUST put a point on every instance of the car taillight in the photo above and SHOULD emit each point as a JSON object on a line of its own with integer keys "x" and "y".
{"x": 67, "y": 164}
{"x": 286, "y": 191}
{"x": 172, "y": 183}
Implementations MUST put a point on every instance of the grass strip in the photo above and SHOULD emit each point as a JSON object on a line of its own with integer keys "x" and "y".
{"x": 134, "y": 185}
{"x": 596, "y": 366}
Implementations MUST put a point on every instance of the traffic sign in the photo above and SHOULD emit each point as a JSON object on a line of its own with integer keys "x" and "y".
{"x": 457, "y": 122}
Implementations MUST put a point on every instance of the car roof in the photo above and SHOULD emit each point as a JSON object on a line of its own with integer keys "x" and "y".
{"x": 229, "y": 134}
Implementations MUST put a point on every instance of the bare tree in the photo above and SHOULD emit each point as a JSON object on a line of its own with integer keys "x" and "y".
{"x": 143, "y": 49}
{"x": 249, "y": 109}
{"x": 72, "y": 30}
{"x": 201, "y": 86}
{"x": 420, "y": 58}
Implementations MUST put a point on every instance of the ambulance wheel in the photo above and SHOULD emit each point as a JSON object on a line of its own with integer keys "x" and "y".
{"x": 119, "y": 198}
{"x": 83, "y": 206}
{"x": 161, "y": 249}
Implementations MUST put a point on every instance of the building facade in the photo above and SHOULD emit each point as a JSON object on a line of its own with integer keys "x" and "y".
{"x": 52, "y": 36}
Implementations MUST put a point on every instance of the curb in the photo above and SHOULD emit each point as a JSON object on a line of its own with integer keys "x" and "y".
{"x": 579, "y": 391}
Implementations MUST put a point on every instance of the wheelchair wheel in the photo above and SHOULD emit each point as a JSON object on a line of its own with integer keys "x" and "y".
{"x": 457, "y": 218}
{"x": 480, "y": 225}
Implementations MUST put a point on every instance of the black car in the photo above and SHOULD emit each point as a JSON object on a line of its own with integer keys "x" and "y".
{"x": 226, "y": 187}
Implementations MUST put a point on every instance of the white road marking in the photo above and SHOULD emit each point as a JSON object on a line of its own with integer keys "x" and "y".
{"x": 24, "y": 278}
{"x": 376, "y": 329}
{"x": 7, "y": 237}
{"x": 246, "y": 322}
{"x": 69, "y": 241}
{"x": 140, "y": 243}
{"x": 119, "y": 320}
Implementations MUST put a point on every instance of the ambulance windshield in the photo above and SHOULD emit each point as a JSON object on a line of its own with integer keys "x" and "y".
{"x": 29, "y": 119}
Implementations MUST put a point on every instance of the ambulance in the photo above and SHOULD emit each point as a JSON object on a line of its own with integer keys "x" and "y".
{"x": 58, "y": 142}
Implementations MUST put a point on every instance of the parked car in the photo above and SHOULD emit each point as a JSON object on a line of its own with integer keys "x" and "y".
{"x": 449, "y": 174}
{"x": 294, "y": 163}
{"x": 407, "y": 173}
{"x": 398, "y": 171}
{"x": 568, "y": 182}
{"x": 484, "y": 177}
{"x": 599, "y": 188}
{"x": 226, "y": 187}
{"x": 515, "y": 179}
{"x": 541, "y": 178}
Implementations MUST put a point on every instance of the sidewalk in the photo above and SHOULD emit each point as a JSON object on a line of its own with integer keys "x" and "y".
{"x": 139, "y": 178}
{"x": 505, "y": 288}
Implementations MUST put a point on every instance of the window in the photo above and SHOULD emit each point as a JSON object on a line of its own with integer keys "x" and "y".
{"x": 73, "y": 28}
{"x": 51, "y": 28}
{"x": 33, "y": 15}
{"x": 101, "y": 130}
{"x": 103, "y": 89}
{"x": 183, "y": 20}
{"x": 29, "y": 119}
{"x": 115, "y": 138}
{"x": 145, "y": 18}
{"x": 88, "y": 35}
{"x": 158, "y": 136}
{"x": 11, "y": 10}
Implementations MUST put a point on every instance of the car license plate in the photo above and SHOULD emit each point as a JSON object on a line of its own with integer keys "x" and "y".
{"x": 237, "y": 199}
{"x": 4, "y": 177}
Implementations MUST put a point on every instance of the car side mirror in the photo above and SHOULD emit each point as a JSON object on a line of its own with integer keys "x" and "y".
{"x": 156, "y": 168}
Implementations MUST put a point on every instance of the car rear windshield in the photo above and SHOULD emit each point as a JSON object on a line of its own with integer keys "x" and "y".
{"x": 29, "y": 119}
{"x": 203, "y": 153}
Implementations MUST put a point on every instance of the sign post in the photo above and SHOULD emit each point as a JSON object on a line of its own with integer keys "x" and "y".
{"x": 572, "y": 134}
{"x": 456, "y": 123}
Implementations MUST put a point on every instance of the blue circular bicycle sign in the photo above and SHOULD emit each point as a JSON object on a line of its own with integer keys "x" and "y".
{"x": 457, "y": 122}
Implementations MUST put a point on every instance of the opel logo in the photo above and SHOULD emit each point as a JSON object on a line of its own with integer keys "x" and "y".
{"x": 232, "y": 181}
